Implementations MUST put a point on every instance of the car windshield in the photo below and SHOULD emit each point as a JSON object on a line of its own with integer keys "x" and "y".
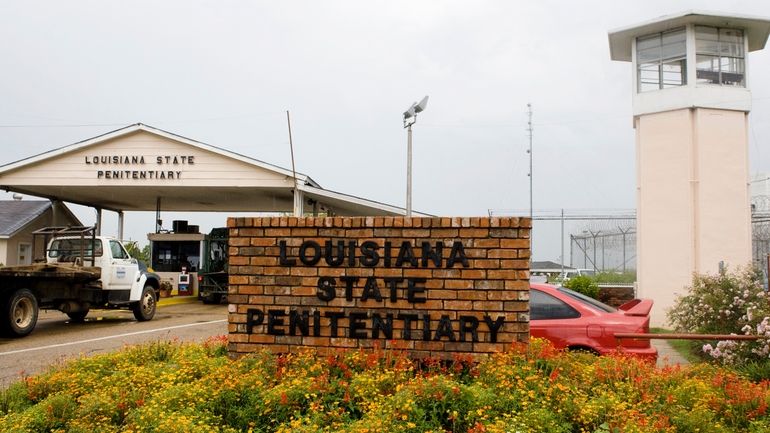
{"x": 587, "y": 300}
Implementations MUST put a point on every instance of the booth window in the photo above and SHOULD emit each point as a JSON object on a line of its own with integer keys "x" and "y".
{"x": 172, "y": 256}
{"x": 661, "y": 60}
{"x": 720, "y": 56}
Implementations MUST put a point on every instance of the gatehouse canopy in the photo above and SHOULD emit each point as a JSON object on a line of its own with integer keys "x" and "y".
{"x": 141, "y": 168}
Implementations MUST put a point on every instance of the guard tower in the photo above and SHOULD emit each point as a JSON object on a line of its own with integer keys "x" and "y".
{"x": 691, "y": 101}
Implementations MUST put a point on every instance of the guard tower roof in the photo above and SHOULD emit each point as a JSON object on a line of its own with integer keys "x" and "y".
{"x": 756, "y": 29}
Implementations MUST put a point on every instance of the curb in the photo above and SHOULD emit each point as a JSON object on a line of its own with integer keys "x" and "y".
{"x": 177, "y": 300}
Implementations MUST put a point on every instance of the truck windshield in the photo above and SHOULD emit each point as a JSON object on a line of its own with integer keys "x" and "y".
{"x": 62, "y": 248}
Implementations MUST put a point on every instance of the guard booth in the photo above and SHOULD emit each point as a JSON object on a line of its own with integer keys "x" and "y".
{"x": 176, "y": 256}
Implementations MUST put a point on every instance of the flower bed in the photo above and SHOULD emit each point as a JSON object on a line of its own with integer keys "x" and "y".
{"x": 172, "y": 387}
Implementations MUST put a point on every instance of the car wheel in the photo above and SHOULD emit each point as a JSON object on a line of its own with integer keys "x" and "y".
{"x": 583, "y": 350}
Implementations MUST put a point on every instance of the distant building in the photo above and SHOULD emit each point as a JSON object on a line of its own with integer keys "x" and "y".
{"x": 19, "y": 218}
{"x": 548, "y": 269}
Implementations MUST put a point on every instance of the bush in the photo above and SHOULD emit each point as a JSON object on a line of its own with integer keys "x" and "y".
{"x": 726, "y": 303}
{"x": 628, "y": 277}
{"x": 583, "y": 284}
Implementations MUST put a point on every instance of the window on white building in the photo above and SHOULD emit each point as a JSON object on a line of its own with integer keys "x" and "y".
{"x": 720, "y": 56}
{"x": 25, "y": 254}
{"x": 661, "y": 60}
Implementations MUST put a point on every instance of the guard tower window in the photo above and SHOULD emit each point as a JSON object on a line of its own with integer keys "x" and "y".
{"x": 661, "y": 60}
{"x": 720, "y": 56}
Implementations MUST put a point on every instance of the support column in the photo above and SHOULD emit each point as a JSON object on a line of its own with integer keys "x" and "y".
{"x": 98, "y": 222}
{"x": 299, "y": 203}
{"x": 56, "y": 212}
{"x": 120, "y": 224}
{"x": 158, "y": 221}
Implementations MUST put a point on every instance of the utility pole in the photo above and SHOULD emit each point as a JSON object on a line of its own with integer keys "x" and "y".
{"x": 529, "y": 151}
{"x": 298, "y": 196}
{"x": 561, "y": 241}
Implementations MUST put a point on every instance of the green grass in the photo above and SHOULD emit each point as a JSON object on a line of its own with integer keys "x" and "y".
{"x": 688, "y": 349}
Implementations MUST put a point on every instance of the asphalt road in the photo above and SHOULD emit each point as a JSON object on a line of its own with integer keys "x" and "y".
{"x": 55, "y": 339}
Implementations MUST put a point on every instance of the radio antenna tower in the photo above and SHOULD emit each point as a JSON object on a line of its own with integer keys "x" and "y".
{"x": 529, "y": 151}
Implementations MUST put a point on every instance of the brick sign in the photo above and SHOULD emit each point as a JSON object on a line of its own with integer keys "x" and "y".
{"x": 434, "y": 286}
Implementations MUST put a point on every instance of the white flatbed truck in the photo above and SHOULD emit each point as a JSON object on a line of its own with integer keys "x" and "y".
{"x": 80, "y": 271}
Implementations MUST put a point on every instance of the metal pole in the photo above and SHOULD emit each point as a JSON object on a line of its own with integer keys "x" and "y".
{"x": 529, "y": 128}
{"x": 298, "y": 211}
{"x": 562, "y": 242}
{"x": 603, "y": 254}
{"x": 409, "y": 171}
{"x": 624, "y": 251}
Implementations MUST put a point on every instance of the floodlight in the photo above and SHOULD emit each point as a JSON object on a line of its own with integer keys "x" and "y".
{"x": 411, "y": 111}
{"x": 421, "y": 106}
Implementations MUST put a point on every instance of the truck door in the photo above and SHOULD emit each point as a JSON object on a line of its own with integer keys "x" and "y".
{"x": 122, "y": 270}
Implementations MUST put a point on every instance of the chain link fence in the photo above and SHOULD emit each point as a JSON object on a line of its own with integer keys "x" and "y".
{"x": 606, "y": 246}
{"x": 605, "y": 240}
{"x": 760, "y": 233}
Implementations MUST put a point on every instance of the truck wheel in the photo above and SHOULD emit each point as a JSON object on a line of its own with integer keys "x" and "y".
{"x": 78, "y": 317}
{"x": 20, "y": 313}
{"x": 144, "y": 310}
{"x": 213, "y": 298}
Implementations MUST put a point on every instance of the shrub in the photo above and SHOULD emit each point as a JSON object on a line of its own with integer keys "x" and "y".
{"x": 628, "y": 277}
{"x": 755, "y": 371}
{"x": 583, "y": 284}
{"x": 726, "y": 303}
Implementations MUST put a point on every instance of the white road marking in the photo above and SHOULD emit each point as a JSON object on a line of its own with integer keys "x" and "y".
{"x": 72, "y": 343}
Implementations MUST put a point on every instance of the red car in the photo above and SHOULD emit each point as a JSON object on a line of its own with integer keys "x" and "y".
{"x": 574, "y": 321}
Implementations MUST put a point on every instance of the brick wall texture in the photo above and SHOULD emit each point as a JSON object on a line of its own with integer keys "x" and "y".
{"x": 616, "y": 295}
{"x": 433, "y": 286}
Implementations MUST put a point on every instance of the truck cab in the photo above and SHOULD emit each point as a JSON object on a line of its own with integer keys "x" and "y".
{"x": 118, "y": 269}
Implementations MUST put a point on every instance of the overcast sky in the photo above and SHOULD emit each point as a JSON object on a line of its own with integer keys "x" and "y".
{"x": 225, "y": 72}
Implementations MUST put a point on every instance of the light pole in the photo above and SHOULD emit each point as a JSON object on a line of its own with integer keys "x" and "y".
{"x": 410, "y": 118}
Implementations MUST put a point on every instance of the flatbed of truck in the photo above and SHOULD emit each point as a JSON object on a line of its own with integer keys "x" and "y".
{"x": 48, "y": 270}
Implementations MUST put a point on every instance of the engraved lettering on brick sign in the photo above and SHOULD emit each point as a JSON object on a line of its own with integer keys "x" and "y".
{"x": 434, "y": 286}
